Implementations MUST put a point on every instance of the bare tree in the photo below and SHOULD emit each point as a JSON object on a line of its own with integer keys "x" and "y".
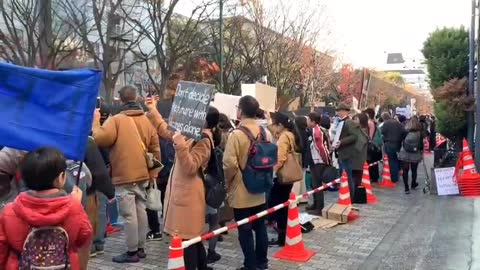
{"x": 318, "y": 77}
{"x": 175, "y": 37}
{"x": 106, "y": 36}
{"x": 240, "y": 49}
{"x": 286, "y": 43}
{"x": 32, "y": 34}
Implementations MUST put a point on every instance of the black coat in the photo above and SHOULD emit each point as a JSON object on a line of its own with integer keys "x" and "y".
{"x": 393, "y": 134}
{"x": 101, "y": 180}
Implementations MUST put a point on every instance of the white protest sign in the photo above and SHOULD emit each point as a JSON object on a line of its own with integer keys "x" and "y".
{"x": 266, "y": 95}
{"x": 226, "y": 104}
{"x": 355, "y": 105}
{"x": 446, "y": 182}
{"x": 401, "y": 111}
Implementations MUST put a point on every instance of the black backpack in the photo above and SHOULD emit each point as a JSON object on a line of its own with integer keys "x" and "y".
{"x": 411, "y": 144}
{"x": 214, "y": 179}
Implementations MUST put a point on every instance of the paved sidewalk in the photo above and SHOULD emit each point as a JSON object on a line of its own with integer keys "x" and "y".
{"x": 342, "y": 247}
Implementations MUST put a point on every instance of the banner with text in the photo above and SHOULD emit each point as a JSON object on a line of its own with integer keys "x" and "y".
{"x": 189, "y": 108}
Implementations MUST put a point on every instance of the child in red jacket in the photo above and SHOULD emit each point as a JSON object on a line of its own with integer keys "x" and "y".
{"x": 46, "y": 204}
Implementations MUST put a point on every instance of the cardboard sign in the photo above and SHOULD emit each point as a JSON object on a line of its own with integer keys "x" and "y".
{"x": 446, "y": 182}
{"x": 189, "y": 108}
{"x": 226, "y": 104}
{"x": 266, "y": 95}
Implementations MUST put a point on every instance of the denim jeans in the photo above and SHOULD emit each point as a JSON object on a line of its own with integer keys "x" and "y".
{"x": 393, "y": 162}
{"x": 99, "y": 240}
{"x": 255, "y": 252}
{"x": 346, "y": 165}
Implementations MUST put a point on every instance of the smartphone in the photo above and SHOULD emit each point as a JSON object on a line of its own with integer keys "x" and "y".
{"x": 98, "y": 103}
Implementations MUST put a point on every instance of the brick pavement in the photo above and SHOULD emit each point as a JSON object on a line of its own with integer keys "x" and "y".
{"x": 342, "y": 247}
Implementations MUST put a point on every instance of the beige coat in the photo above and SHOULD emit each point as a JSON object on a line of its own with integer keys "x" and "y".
{"x": 234, "y": 158}
{"x": 184, "y": 209}
{"x": 127, "y": 154}
{"x": 286, "y": 144}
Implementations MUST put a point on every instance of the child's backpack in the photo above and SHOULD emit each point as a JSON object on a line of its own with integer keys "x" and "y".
{"x": 45, "y": 248}
{"x": 262, "y": 157}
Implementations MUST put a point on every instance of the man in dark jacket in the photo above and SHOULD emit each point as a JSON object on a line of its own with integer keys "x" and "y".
{"x": 97, "y": 195}
{"x": 393, "y": 135}
{"x": 433, "y": 133}
{"x": 344, "y": 144}
{"x": 101, "y": 192}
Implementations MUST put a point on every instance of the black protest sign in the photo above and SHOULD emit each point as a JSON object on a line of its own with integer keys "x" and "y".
{"x": 189, "y": 108}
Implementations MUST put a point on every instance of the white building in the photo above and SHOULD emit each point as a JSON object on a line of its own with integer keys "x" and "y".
{"x": 413, "y": 70}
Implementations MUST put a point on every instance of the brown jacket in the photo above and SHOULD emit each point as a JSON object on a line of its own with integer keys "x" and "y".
{"x": 184, "y": 208}
{"x": 234, "y": 158}
{"x": 127, "y": 155}
{"x": 286, "y": 144}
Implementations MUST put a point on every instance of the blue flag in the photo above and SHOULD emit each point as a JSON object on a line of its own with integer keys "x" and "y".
{"x": 47, "y": 108}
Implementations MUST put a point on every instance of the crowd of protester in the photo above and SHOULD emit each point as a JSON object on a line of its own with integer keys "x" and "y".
{"x": 115, "y": 172}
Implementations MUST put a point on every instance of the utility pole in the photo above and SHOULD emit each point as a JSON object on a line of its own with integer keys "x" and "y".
{"x": 477, "y": 111}
{"x": 221, "y": 46}
{"x": 471, "y": 75}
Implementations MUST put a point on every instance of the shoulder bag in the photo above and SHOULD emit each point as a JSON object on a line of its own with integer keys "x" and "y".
{"x": 291, "y": 171}
{"x": 152, "y": 162}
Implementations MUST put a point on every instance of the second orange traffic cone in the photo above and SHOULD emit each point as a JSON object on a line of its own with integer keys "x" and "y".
{"x": 344, "y": 191}
{"x": 386, "y": 176}
{"x": 294, "y": 249}
{"x": 366, "y": 183}
{"x": 175, "y": 258}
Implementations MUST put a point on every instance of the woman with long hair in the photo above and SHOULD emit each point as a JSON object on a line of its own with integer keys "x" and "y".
{"x": 185, "y": 197}
{"x": 288, "y": 140}
{"x": 302, "y": 127}
{"x": 374, "y": 153}
{"x": 361, "y": 146}
{"x": 411, "y": 152}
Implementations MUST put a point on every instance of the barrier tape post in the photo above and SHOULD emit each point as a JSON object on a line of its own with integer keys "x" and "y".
{"x": 294, "y": 249}
{"x": 175, "y": 258}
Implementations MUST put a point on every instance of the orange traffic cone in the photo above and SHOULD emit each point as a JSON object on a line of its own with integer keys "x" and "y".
{"x": 469, "y": 180}
{"x": 294, "y": 249}
{"x": 344, "y": 192}
{"x": 175, "y": 259}
{"x": 386, "y": 176}
{"x": 366, "y": 183}
{"x": 468, "y": 163}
